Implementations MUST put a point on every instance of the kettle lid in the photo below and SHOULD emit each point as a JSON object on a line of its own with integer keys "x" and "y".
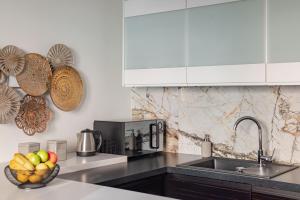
{"x": 86, "y": 131}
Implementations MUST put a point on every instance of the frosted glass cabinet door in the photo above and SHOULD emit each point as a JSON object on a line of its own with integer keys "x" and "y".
{"x": 155, "y": 40}
{"x": 155, "y": 49}
{"x": 227, "y": 43}
{"x": 283, "y": 42}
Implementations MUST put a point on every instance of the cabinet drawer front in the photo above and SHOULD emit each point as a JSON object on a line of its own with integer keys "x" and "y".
{"x": 195, "y": 188}
{"x": 259, "y": 196}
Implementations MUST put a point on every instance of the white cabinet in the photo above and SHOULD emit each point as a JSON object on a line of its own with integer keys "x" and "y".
{"x": 283, "y": 42}
{"x": 226, "y": 43}
{"x": 211, "y": 42}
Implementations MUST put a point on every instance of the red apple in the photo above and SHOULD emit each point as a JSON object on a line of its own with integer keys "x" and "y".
{"x": 52, "y": 157}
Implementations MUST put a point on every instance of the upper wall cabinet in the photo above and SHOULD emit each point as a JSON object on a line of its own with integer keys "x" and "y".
{"x": 283, "y": 42}
{"x": 154, "y": 44}
{"x": 226, "y": 43}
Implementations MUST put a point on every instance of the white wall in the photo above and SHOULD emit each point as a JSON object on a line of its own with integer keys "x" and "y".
{"x": 93, "y": 29}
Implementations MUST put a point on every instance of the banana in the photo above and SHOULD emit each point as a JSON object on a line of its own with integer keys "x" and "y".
{"x": 22, "y": 160}
{"x": 16, "y": 166}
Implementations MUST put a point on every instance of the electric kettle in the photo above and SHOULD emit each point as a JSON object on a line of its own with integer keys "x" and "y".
{"x": 88, "y": 143}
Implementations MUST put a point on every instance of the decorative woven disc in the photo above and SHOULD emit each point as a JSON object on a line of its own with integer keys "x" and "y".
{"x": 9, "y": 104}
{"x": 60, "y": 55}
{"x": 34, "y": 115}
{"x": 2, "y": 78}
{"x": 12, "y": 60}
{"x": 66, "y": 88}
{"x": 35, "y": 79}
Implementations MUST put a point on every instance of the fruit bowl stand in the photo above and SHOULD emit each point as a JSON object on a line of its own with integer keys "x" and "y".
{"x": 11, "y": 177}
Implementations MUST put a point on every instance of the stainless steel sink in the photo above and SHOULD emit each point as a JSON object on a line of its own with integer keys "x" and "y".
{"x": 240, "y": 167}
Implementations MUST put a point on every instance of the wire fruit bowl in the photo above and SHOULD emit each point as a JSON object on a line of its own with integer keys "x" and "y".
{"x": 31, "y": 179}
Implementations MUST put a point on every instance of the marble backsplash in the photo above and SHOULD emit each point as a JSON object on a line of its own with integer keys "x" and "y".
{"x": 192, "y": 112}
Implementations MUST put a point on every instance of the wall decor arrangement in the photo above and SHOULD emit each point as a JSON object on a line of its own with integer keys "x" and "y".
{"x": 36, "y": 76}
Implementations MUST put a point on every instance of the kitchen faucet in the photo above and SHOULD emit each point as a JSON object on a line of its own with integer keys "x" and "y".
{"x": 260, "y": 153}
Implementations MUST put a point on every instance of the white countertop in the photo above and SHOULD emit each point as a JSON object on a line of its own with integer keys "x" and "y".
{"x": 63, "y": 190}
{"x": 75, "y": 163}
{"x": 60, "y": 189}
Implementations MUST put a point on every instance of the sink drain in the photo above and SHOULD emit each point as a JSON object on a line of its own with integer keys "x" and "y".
{"x": 240, "y": 169}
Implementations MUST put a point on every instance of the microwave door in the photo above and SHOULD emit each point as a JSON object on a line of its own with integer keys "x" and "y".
{"x": 154, "y": 136}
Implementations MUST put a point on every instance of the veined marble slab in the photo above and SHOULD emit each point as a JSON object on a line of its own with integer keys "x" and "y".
{"x": 75, "y": 163}
{"x": 192, "y": 112}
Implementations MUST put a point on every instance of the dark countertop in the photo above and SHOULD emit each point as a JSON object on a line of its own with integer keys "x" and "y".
{"x": 132, "y": 170}
{"x": 287, "y": 184}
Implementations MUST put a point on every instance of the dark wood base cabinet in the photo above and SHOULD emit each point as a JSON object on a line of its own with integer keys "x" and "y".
{"x": 260, "y": 196}
{"x": 196, "y": 188}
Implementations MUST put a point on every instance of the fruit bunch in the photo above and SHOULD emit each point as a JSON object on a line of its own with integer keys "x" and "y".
{"x": 33, "y": 167}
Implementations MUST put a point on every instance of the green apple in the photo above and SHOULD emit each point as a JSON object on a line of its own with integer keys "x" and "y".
{"x": 50, "y": 164}
{"x": 43, "y": 155}
{"x": 33, "y": 158}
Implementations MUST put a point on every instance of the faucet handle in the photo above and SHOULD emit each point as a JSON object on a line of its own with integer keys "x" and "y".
{"x": 267, "y": 158}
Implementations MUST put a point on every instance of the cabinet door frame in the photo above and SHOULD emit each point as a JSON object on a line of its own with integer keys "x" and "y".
{"x": 283, "y": 73}
{"x": 143, "y": 7}
{"x": 227, "y": 75}
{"x": 152, "y": 77}
{"x": 199, "y": 3}
{"x": 155, "y": 77}
{"x": 280, "y": 73}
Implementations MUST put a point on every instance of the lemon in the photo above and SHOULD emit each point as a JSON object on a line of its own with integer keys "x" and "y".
{"x": 35, "y": 178}
{"x": 22, "y": 177}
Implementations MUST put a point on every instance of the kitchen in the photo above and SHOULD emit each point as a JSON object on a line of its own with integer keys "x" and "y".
{"x": 197, "y": 65}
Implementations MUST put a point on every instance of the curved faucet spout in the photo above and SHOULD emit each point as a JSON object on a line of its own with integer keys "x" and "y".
{"x": 260, "y": 151}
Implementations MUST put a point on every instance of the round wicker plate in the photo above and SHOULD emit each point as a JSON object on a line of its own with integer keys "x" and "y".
{"x": 66, "y": 88}
{"x": 60, "y": 55}
{"x": 35, "y": 79}
{"x": 12, "y": 60}
{"x": 34, "y": 115}
{"x": 9, "y": 104}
